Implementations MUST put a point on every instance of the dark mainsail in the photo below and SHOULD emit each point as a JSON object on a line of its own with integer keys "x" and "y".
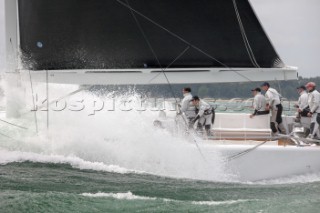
{"x": 134, "y": 34}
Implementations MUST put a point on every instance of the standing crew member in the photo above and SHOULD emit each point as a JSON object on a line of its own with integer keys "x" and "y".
{"x": 259, "y": 103}
{"x": 186, "y": 106}
{"x": 274, "y": 104}
{"x": 204, "y": 114}
{"x": 302, "y": 106}
{"x": 314, "y": 105}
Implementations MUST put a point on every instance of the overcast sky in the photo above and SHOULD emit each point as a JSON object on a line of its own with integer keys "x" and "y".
{"x": 292, "y": 25}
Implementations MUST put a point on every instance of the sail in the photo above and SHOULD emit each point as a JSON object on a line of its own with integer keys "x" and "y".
{"x": 138, "y": 34}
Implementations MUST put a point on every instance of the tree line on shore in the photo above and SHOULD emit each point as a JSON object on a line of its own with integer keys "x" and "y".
{"x": 288, "y": 89}
{"x": 216, "y": 90}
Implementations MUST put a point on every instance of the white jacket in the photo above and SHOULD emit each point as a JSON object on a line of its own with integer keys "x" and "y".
{"x": 186, "y": 106}
{"x": 314, "y": 101}
{"x": 203, "y": 107}
{"x": 303, "y": 100}
{"x": 273, "y": 97}
{"x": 259, "y": 102}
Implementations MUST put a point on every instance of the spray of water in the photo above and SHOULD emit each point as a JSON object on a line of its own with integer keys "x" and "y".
{"x": 120, "y": 133}
{"x": 117, "y": 136}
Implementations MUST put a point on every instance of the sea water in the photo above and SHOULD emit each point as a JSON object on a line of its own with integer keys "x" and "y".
{"x": 112, "y": 159}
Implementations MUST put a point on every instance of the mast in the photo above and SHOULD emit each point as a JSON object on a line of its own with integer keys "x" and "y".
{"x": 15, "y": 92}
{"x": 11, "y": 34}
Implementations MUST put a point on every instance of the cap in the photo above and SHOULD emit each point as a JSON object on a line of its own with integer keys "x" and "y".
{"x": 195, "y": 98}
{"x": 302, "y": 87}
{"x": 265, "y": 84}
{"x": 256, "y": 89}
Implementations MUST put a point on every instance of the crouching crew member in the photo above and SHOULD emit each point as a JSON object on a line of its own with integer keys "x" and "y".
{"x": 274, "y": 104}
{"x": 205, "y": 113}
{"x": 314, "y": 105}
{"x": 259, "y": 103}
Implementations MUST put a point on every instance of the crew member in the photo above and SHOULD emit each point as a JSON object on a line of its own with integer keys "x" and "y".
{"x": 302, "y": 106}
{"x": 259, "y": 103}
{"x": 204, "y": 115}
{"x": 314, "y": 105}
{"x": 274, "y": 104}
{"x": 186, "y": 106}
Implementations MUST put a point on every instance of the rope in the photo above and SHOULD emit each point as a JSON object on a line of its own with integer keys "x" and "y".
{"x": 12, "y": 124}
{"x": 6, "y": 136}
{"x": 235, "y": 156}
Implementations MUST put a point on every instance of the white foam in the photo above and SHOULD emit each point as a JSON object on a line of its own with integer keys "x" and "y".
{"x": 216, "y": 203}
{"x": 126, "y": 139}
{"x": 123, "y": 138}
{"x": 305, "y": 178}
{"x": 16, "y": 156}
{"x": 119, "y": 196}
{"x": 130, "y": 196}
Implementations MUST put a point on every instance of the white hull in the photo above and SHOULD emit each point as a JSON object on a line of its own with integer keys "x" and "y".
{"x": 271, "y": 162}
{"x": 234, "y": 133}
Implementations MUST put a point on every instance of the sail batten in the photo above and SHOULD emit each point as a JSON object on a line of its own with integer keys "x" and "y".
{"x": 103, "y": 34}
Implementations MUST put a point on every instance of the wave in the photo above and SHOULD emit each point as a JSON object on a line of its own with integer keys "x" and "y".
{"x": 305, "y": 178}
{"x": 7, "y": 157}
{"x": 130, "y": 196}
{"x": 119, "y": 196}
{"x": 216, "y": 203}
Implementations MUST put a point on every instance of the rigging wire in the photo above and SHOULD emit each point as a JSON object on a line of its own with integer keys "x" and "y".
{"x": 246, "y": 43}
{"x": 12, "y": 124}
{"x": 244, "y": 36}
{"x": 179, "y": 56}
{"x": 151, "y": 49}
{"x": 6, "y": 136}
{"x": 47, "y": 93}
{"x": 179, "y": 37}
{"x": 279, "y": 86}
{"x": 170, "y": 32}
{"x": 34, "y": 104}
{"x": 158, "y": 61}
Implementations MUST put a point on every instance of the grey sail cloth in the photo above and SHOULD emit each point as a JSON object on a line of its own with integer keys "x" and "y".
{"x": 104, "y": 34}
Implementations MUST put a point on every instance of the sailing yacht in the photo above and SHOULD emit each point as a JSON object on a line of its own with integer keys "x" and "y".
{"x": 142, "y": 42}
